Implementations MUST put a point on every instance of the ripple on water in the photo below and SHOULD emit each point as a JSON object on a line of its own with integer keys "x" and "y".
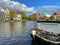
{"x": 16, "y": 33}
{"x": 11, "y": 40}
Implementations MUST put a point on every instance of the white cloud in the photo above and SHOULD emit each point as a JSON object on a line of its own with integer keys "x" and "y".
{"x": 54, "y": 6}
{"x": 49, "y": 9}
{"x": 15, "y": 6}
{"x": 4, "y": 0}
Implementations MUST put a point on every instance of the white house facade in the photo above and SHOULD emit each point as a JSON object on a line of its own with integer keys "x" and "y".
{"x": 4, "y": 14}
{"x": 17, "y": 17}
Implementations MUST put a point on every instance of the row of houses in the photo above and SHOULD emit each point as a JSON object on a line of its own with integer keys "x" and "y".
{"x": 40, "y": 16}
{"x": 4, "y": 15}
{"x": 54, "y": 16}
{"x": 57, "y": 15}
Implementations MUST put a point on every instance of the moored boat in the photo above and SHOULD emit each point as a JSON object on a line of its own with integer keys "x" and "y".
{"x": 49, "y": 21}
{"x": 41, "y": 36}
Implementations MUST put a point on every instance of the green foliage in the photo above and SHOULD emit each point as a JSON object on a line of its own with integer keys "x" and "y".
{"x": 58, "y": 34}
{"x": 32, "y": 17}
{"x": 23, "y": 14}
{"x": 12, "y": 13}
{"x": 58, "y": 16}
{"x": 52, "y": 17}
{"x": 45, "y": 16}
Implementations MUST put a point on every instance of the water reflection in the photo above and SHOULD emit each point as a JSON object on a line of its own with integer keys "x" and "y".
{"x": 50, "y": 27}
{"x": 16, "y": 33}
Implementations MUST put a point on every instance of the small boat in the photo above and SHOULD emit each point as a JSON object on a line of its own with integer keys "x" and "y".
{"x": 49, "y": 21}
{"x": 39, "y": 38}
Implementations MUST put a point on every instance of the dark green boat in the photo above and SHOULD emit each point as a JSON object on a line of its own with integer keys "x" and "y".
{"x": 39, "y": 38}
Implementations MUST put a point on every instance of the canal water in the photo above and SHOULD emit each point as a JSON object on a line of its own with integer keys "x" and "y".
{"x": 16, "y": 33}
{"x": 50, "y": 27}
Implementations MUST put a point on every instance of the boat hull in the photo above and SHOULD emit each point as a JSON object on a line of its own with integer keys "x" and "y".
{"x": 40, "y": 41}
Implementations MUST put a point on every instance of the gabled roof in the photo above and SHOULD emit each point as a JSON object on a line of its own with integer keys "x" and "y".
{"x": 37, "y": 14}
{"x": 57, "y": 13}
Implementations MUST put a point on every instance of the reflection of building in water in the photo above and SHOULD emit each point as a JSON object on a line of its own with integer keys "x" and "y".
{"x": 11, "y": 28}
{"x": 23, "y": 23}
{"x": 16, "y": 29}
{"x": 11, "y": 25}
{"x": 4, "y": 29}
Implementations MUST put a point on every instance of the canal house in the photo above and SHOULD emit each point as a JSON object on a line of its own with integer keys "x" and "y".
{"x": 57, "y": 16}
{"x": 4, "y": 14}
{"x": 38, "y": 16}
{"x": 17, "y": 17}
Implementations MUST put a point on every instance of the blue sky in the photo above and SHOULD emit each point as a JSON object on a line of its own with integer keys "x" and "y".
{"x": 32, "y": 6}
{"x": 36, "y": 3}
{"x": 39, "y": 5}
